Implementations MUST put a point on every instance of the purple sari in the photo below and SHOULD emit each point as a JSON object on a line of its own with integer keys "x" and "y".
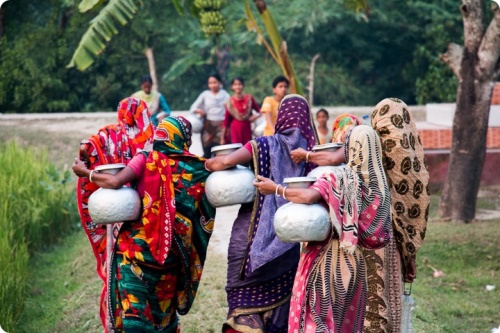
{"x": 261, "y": 268}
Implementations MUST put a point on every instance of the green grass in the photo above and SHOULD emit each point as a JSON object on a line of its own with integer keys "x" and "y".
{"x": 66, "y": 291}
{"x": 36, "y": 207}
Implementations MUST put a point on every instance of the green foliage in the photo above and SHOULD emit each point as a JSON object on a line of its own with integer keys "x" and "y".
{"x": 392, "y": 51}
{"x": 34, "y": 212}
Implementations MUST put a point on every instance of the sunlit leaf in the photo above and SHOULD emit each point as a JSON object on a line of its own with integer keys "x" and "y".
{"x": 101, "y": 30}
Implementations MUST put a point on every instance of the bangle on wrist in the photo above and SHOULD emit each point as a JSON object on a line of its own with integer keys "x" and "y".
{"x": 90, "y": 175}
{"x": 276, "y": 191}
{"x": 307, "y": 156}
{"x": 284, "y": 189}
{"x": 206, "y": 168}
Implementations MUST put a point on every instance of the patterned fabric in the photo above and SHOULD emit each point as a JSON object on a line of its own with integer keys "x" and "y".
{"x": 159, "y": 260}
{"x": 330, "y": 288}
{"x": 240, "y": 109}
{"x": 342, "y": 125}
{"x": 116, "y": 143}
{"x": 409, "y": 179}
{"x": 329, "y": 292}
{"x": 358, "y": 195}
{"x": 261, "y": 268}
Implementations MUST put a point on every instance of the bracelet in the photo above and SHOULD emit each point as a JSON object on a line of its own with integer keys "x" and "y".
{"x": 206, "y": 168}
{"x": 276, "y": 192}
{"x": 307, "y": 156}
{"x": 284, "y": 189}
{"x": 90, "y": 175}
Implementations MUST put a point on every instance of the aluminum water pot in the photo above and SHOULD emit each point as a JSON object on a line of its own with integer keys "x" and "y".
{"x": 295, "y": 222}
{"x": 321, "y": 170}
{"x": 108, "y": 205}
{"x": 230, "y": 187}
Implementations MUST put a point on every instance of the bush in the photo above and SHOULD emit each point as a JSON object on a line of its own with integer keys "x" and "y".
{"x": 36, "y": 207}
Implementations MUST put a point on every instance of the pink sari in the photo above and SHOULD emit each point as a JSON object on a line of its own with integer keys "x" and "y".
{"x": 330, "y": 288}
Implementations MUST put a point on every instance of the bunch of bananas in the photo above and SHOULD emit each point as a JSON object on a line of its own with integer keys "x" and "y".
{"x": 211, "y": 19}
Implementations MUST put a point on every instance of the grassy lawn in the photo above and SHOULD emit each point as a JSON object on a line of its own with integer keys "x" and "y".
{"x": 65, "y": 288}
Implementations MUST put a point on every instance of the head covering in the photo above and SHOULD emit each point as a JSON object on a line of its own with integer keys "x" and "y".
{"x": 174, "y": 133}
{"x": 342, "y": 125}
{"x": 404, "y": 163}
{"x": 135, "y": 130}
{"x": 358, "y": 196}
{"x": 114, "y": 143}
{"x": 293, "y": 130}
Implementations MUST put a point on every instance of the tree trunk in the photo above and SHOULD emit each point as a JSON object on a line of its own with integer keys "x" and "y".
{"x": 476, "y": 65}
{"x": 152, "y": 68}
{"x": 468, "y": 150}
{"x": 311, "y": 80}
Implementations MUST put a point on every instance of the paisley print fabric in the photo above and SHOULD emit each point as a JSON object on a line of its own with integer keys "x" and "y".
{"x": 408, "y": 175}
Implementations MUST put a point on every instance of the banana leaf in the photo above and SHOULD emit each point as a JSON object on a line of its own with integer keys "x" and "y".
{"x": 101, "y": 30}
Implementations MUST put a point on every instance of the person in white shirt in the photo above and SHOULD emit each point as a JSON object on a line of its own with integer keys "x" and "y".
{"x": 210, "y": 105}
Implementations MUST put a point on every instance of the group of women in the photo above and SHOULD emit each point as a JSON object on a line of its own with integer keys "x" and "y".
{"x": 351, "y": 282}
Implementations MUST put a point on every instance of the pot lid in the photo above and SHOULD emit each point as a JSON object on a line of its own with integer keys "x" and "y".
{"x": 110, "y": 166}
{"x": 224, "y": 147}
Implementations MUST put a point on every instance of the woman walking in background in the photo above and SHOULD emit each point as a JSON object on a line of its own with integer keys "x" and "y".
{"x": 330, "y": 289}
{"x": 157, "y": 105}
{"x": 158, "y": 259}
{"x": 261, "y": 269}
{"x": 210, "y": 105}
{"x": 239, "y": 114}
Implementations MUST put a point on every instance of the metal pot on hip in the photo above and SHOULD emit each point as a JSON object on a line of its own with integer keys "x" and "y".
{"x": 114, "y": 205}
{"x": 232, "y": 186}
{"x": 295, "y": 222}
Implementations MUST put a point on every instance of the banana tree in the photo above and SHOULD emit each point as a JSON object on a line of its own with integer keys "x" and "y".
{"x": 119, "y": 12}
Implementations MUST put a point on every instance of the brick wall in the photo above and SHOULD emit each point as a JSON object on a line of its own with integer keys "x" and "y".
{"x": 441, "y": 138}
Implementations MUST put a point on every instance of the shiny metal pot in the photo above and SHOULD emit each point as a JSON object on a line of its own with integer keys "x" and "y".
{"x": 108, "y": 205}
{"x": 302, "y": 223}
{"x": 196, "y": 122}
{"x": 230, "y": 187}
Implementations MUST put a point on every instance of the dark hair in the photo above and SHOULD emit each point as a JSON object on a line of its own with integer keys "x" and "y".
{"x": 280, "y": 79}
{"x": 238, "y": 78}
{"x": 324, "y": 111}
{"x": 215, "y": 76}
{"x": 146, "y": 78}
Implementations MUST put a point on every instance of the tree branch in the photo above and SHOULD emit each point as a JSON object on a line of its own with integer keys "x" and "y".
{"x": 489, "y": 51}
{"x": 453, "y": 58}
{"x": 472, "y": 13}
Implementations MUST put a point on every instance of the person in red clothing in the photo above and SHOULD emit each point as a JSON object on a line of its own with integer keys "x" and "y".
{"x": 239, "y": 114}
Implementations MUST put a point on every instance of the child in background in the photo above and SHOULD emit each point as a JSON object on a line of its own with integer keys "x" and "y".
{"x": 271, "y": 103}
{"x": 239, "y": 115}
{"x": 157, "y": 105}
{"x": 324, "y": 134}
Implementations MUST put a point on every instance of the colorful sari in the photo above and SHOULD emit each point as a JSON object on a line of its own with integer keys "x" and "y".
{"x": 342, "y": 125}
{"x": 116, "y": 143}
{"x": 330, "y": 290}
{"x": 159, "y": 259}
{"x": 261, "y": 269}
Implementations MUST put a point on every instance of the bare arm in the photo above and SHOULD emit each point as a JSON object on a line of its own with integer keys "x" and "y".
{"x": 104, "y": 179}
{"x": 298, "y": 195}
{"x": 319, "y": 158}
{"x": 241, "y": 156}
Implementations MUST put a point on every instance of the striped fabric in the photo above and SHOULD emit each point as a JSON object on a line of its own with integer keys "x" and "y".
{"x": 330, "y": 289}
